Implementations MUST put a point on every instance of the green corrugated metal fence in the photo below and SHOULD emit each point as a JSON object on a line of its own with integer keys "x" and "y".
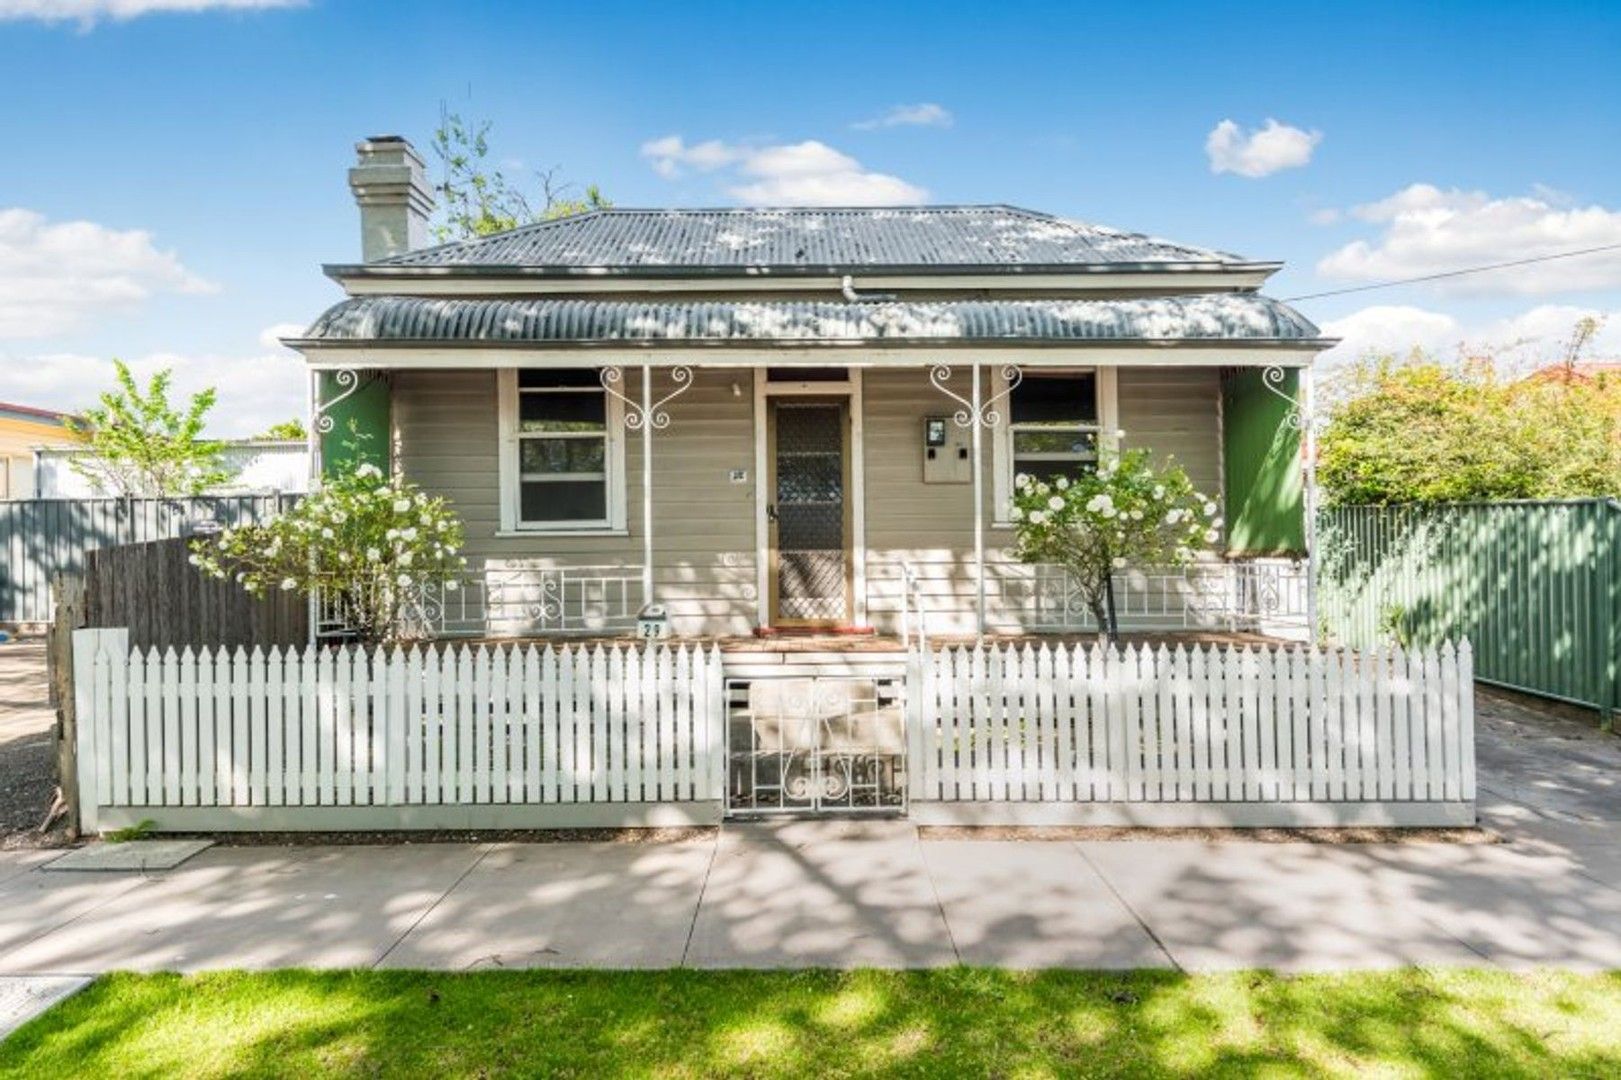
{"x": 40, "y": 538}
{"x": 1533, "y": 585}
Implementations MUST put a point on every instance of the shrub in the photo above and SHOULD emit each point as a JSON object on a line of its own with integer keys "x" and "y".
{"x": 364, "y": 542}
{"x": 1123, "y": 513}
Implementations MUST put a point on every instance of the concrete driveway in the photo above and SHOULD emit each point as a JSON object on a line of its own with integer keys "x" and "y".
{"x": 876, "y": 894}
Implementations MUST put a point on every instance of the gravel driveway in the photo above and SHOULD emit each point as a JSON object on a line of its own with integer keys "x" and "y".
{"x": 27, "y": 772}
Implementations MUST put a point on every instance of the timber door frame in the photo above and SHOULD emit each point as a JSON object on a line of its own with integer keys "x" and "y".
{"x": 765, "y": 488}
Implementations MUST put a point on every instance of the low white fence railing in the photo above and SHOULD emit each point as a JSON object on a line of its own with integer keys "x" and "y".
{"x": 1221, "y": 736}
{"x": 1215, "y": 595}
{"x": 512, "y": 598}
{"x": 443, "y": 737}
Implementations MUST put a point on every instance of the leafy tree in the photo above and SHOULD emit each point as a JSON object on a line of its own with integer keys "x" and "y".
{"x": 476, "y": 197}
{"x": 1126, "y": 512}
{"x": 369, "y": 546}
{"x": 1418, "y": 431}
{"x": 286, "y": 431}
{"x": 139, "y": 444}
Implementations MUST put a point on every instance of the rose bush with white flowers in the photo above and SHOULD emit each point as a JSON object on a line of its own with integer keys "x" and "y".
{"x": 1125, "y": 512}
{"x": 366, "y": 542}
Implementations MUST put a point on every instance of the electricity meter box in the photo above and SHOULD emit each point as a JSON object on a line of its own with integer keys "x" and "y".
{"x": 946, "y": 454}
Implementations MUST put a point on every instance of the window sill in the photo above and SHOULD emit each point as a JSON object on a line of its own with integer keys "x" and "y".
{"x": 509, "y": 534}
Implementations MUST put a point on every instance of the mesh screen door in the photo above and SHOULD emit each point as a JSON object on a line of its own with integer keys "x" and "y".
{"x": 811, "y": 585}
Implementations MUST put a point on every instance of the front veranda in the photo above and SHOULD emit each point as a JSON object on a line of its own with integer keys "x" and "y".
{"x": 720, "y": 501}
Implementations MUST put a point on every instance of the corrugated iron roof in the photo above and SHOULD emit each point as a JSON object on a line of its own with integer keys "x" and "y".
{"x": 410, "y": 319}
{"x": 857, "y": 238}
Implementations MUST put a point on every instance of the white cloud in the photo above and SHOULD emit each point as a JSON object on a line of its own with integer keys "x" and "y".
{"x": 55, "y": 277}
{"x": 1427, "y": 230}
{"x": 88, "y": 12}
{"x": 1259, "y": 152}
{"x": 254, "y": 390}
{"x": 270, "y": 337}
{"x": 1391, "y": 328}
{"x": 923, "y": 114}
{"x": 1520, "y": 342}
{"x": 808, "y": 173}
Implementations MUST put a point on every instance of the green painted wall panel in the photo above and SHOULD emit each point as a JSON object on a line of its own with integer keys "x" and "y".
{"x": 1532, "y": 585}
{"x": 1266, "y": 505}
{"x": 361, "y": 424}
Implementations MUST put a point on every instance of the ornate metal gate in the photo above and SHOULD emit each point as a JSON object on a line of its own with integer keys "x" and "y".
{"x": 815, "y": 745}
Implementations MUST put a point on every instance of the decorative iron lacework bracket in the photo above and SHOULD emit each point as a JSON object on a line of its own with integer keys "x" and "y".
{"x": 651, "y": 414}
{"x": 348, "y": 380}
{"x": 987, "y": 413}
{"x": 1272, "y": 378}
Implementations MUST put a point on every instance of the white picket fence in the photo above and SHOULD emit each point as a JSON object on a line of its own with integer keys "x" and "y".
{"x": 1250, "y": 736}
{"x": 336, "y": 730}
{"x": 560, "y": 736}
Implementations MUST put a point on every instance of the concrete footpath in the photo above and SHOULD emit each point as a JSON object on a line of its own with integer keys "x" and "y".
{"x": 850, "y": 894}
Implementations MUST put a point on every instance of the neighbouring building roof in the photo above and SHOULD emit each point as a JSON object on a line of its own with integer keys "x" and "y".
{"x": 920, "y": 239}
{"x": 408, "y": 320}
{"x": 1583, "y": 371}
{"x": 32, "y": 414}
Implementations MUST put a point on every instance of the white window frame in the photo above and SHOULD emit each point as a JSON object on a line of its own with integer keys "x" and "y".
{"x": 1107, "y": 385}
{"x": 511, "y": 478}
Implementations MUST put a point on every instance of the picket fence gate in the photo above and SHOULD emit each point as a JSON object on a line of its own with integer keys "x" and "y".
{"x": 1221, "y": 736}
{"x": 435, "y": 737}
{"x": 572, "y": 736}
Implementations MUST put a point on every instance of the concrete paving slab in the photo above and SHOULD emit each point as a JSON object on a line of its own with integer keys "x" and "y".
{"x": 256, "y": 908}
{"x": 139, "y": 856}
{"x": 18, "y": 861}
{"x": 565, "y": 905}
{"x": 34, "y": 904}
{"x": 1033, "y": 905}
{"x": 812, "y": 898}
{"x": 1520, "y": 908}
{"x": 23, "y": 997}
{"x": 1293, "y": 907}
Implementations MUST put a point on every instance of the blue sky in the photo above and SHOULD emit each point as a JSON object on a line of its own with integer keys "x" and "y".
{"x": 172, "y": 180}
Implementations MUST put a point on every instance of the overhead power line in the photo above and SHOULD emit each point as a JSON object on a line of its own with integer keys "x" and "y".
{"x": 1456, "y": 273}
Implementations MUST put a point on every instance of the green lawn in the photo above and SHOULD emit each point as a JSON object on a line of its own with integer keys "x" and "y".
{"x": 958, "y": 1022}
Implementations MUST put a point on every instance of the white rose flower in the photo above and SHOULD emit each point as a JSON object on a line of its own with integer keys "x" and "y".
{"x": 405, "y": 558}
{"x": 195, "y": 560}
{"x": 1136, "y": 515}
{"x": 338, "y": 516}
{"x": 1210, "y": 536}
{"x": 1022, "y": 480}
{"x": 1015, "y": 514}
{"x": 1037, "y": 517}
{"x": 452, "y": 585}
{"x": 1063, "y": 483}
{"x": 409, "y": 533}
{"x": 372, "y": 554}
{"x": 1215, "y": 522}
{"x": 1108, "y": 511}
{"x": 404, "y": 579}
{"x": 1209, "y": 509}
{"x": 1055, "y": 503}
{"x": 288, "y": 583}
{"x": 402, "y": 505}
{"x": 1119, "y": 563}
{"x": 344, "y": 557}
{"x": 327, "y": 534}
{"x": 1172, "y": 517}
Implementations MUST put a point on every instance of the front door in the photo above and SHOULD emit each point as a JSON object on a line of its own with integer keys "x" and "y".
{"x": 810, "y": 516}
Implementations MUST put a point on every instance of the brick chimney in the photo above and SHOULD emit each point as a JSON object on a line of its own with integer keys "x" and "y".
{"x": 391, "y": 189}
